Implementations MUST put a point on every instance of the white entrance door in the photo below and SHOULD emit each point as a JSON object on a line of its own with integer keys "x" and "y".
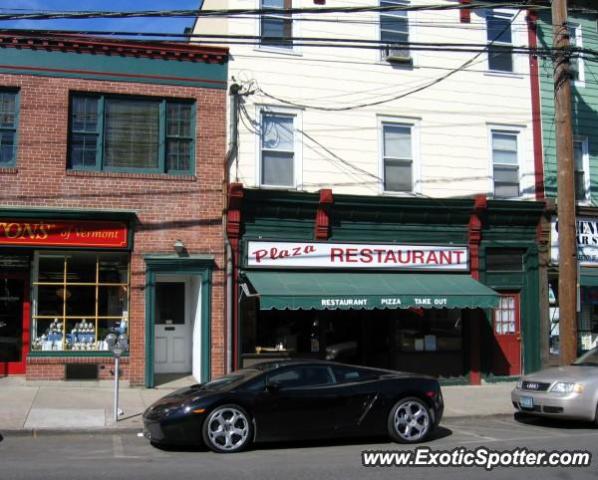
{"x": 173, "y": 324}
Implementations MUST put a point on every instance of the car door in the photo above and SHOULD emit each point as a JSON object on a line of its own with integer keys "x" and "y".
{"x": 298, "y": 404}
{"x": 357, "y": 392}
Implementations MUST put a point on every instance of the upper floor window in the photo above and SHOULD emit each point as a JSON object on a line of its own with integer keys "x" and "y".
{"x": 276, "y": 30}
{"x": 500, "y": 37}
{"x": 576, "y": 66}
{"x": 131, "y": 134}
{"x": 397, "y": 157}
{"x": 505, "y": 162}
{"x": 582, "y": 168}
{"x": 277, "y": 165}
{"x": 394, "y": 29}
{"x": 8, "y": 128}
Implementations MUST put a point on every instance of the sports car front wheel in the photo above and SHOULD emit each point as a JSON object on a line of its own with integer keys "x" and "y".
{"x": 228, "y": 429}
{"x": 409, "y": 421}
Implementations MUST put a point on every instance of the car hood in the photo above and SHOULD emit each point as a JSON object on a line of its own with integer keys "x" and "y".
{"x": 178, "y": 397}
{"x": 571, "y": 373}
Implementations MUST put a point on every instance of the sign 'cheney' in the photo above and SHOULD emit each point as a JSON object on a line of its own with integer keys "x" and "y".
{"x": 349, "y": 255}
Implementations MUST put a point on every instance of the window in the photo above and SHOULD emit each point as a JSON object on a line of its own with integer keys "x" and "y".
{"x": 500, "y": 55}
{"x": 134, "y": 135}
{"x": 504, "y": 259}
{"x": 8, "y": 128}
{"x": 277, "y": 29}
{"x": 397, "y": 158}
{"x": 505, "y": 163}
{"x": 576, "y": 66}
{"x": 277, "y": 150}
{"x": 582, "y": 163}
{"x": 505, "y": 316}
{"x": 170, "y": 303}
{"x": 349, "y": 374}
{"x": 79, "y": 299}
{"x": 394, "y": 28}
{"x": 304, "y": 376}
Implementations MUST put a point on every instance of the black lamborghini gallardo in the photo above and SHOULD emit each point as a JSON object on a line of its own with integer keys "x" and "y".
{"x": 297, "y": 400}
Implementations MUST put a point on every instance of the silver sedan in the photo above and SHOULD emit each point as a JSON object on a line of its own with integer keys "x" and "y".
{"x": 569, "y": 392}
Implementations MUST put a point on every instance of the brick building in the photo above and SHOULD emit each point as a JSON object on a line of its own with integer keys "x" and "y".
{"x": 111, "y": 175}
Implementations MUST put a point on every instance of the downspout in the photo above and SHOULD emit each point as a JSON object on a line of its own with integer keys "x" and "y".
{"x": 532, "y": 26}
{"x": 231, "y": 155}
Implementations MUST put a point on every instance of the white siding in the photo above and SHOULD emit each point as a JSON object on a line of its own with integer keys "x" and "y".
{"x": 341, "y": 150}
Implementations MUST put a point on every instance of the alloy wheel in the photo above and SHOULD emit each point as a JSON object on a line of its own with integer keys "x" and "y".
{"x": 228, "y": 429}
{"x": 411, "y": 420}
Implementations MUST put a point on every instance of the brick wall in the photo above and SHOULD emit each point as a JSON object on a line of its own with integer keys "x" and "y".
{"x": 168, "y": 207}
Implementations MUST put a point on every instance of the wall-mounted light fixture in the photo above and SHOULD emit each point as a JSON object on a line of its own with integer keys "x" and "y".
{"x": 179, "y": 246}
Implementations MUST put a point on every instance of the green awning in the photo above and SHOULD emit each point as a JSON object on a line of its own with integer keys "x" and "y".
{"x": 348, "y": 291}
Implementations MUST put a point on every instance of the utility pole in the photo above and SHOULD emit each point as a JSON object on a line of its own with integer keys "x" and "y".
{"x": 566, "y": 187}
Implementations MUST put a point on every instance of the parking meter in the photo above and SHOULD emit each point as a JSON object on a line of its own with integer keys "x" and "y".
{"x": 118, "y": 346}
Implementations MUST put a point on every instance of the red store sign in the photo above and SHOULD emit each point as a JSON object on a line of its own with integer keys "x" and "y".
{"x": 76, "y": 233}
{"x": 349, "y": 255}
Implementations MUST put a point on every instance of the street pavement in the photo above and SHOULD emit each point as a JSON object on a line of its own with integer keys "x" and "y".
{"x": 124, "y": 455}
{"x": 78, "y": 406}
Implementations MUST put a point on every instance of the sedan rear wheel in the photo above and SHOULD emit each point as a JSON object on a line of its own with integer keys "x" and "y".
{"x": 409, "y": 421}
{"x": 228, "y": 429}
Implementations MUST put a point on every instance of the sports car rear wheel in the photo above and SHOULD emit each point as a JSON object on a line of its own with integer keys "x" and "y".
{"x": 409, "y": 421}
{"x": 228, "y": 429}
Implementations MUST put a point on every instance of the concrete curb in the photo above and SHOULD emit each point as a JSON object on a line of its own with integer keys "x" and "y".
{"x": 38, "y": 432}
{"x": 479, "y": 416}
{"x": 35, "y": 432}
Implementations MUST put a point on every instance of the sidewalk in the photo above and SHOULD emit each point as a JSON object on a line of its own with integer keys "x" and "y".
{"x": 77, "y": 406}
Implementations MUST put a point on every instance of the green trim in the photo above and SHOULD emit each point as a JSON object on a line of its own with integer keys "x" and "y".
{"x": 114, "y": 68}
{"x": 200, "y": 265}
{"x": 68, "y": 354}
{"x": 162, "y": 134}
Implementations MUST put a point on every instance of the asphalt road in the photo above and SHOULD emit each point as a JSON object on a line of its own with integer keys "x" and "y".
{"x": 127, "y": 456}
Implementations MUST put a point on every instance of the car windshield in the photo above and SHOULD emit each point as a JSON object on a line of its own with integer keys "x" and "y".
{"x": 590, "y": 358}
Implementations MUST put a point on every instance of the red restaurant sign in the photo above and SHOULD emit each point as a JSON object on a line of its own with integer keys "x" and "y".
{"x": 350, "y": 255}
{"x": 76, "y": 233}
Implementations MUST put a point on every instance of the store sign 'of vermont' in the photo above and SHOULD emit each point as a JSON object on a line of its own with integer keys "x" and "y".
{"x": 351, "y": 255}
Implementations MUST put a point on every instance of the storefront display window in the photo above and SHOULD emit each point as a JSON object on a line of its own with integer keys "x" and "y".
{"x": 78, "y": 299}
{"x": 407, "y": 339}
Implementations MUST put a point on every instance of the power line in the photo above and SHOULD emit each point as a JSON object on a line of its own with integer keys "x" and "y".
{"x": 198, "y": 13}
{"x": 327, "y": 42}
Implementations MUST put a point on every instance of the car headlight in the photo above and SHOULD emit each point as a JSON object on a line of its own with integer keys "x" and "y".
{"x": 519, "y": 384}
{"x": 566, "y": 387}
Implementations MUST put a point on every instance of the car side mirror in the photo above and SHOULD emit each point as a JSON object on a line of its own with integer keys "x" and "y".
{"x": 272, "y": 387}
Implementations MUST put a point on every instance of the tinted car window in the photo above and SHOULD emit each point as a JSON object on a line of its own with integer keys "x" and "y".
{"x": 256, "y": 385}
{"x": 303, "y": 376}
{"x": 348, "y": 374}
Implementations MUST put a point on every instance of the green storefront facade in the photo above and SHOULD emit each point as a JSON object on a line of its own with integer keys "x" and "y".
{"x": 447, "y": 287}
{"x": 584, "y": 89}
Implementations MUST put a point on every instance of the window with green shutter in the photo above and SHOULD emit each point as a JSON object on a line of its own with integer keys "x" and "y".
{"x": 132, "y": 134}
{"x": 8, "y": 128}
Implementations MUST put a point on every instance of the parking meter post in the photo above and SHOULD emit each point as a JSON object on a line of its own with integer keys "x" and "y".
{"x": 116, "y": 368}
